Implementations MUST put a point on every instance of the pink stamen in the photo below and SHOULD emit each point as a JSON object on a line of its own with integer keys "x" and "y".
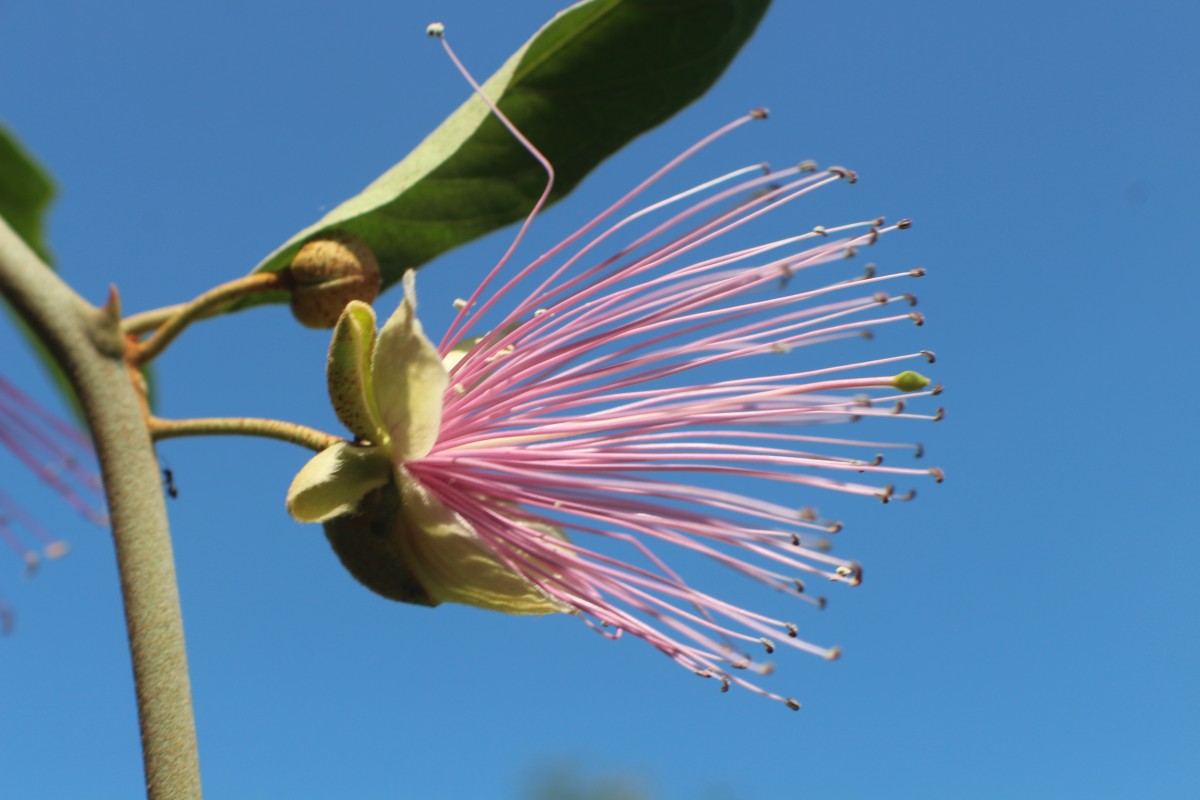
{"x": 56, "y": 453}
{"x": 605, "y": 388}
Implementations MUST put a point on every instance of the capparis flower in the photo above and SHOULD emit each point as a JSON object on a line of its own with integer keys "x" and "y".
{"x": 551, "y": 459}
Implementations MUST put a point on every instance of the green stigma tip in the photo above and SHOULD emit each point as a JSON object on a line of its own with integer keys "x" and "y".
{"x": 910, "y": 381}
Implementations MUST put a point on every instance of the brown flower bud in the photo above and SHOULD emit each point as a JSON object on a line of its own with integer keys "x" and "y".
{"x": 327, "y": 274}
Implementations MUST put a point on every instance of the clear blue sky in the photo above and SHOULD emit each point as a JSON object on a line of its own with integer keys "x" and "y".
{"x": 1026, "y": 629}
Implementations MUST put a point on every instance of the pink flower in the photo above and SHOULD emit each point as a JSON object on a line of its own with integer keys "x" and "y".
{"x": 548, "y": 466}
{"x": 56, "y": 453}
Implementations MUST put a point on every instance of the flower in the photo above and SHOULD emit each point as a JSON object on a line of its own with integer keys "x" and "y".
{"x": 507, "y": 469}
{"x": 56, "y": 453}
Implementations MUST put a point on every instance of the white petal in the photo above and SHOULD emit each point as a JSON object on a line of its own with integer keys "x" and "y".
{"x": 409, "y": 380}
{"x": 454, "y": 566}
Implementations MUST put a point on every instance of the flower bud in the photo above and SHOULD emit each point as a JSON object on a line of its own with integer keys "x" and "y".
{"x": 327, "y": 274}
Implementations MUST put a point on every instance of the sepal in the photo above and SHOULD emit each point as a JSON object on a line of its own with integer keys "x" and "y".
{"x": 333, "y": 482}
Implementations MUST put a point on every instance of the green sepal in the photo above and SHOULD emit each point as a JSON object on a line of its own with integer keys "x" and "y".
{"x": 368, "y": 543}
{"x": 348, "y": 373}
{"x": 333, "y": 482}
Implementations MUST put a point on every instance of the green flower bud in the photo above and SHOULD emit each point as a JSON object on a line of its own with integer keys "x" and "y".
{"x": 370, "y": 545}
{"x": 327, "y": 274}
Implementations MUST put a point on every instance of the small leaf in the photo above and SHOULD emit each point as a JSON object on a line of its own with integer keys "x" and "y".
{"x": 597, "y": 76}
{"x": 25, "y": 193}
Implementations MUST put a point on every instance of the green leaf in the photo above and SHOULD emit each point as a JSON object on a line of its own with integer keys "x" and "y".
{"x": 25, "y": 193}
{"x": 597, "y": 76}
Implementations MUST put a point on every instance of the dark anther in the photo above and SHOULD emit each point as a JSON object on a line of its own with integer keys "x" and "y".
{"x": 918, "y": 272}
{"x": 792, "y": 630}
{"x": 937, "y": 474}
{"x": 806, "y": 166}
{"x": 940, "y": 415}
{"x": 918, "y": 318}
{"x": 792, "y": 704}
{"x": 849, "y": 175}
{"x": 904, "y": 224}
{"x": 851, "y": 572}
{"x": 758, "y": 113}
{"x": 930, "y": 356}
{"x": 768, "y": 645}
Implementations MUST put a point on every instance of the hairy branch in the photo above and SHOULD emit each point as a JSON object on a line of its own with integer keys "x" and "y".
{"x": 88, "y": 344}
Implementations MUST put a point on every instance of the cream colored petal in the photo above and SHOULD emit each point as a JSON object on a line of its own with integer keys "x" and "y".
{"x": 454, "y": 566}
{"x": 334, "y": 480}
{"x": 409, "y": 380}
{"x": 459, "y": 351}
{"x": 348, "y": 373}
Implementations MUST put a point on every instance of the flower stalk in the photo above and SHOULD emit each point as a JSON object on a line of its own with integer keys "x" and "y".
{"x": 170, "y": 322}
{"x": 302, "y": 435}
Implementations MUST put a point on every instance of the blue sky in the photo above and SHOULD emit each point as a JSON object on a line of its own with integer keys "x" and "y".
{"x": 1025, "y": 630}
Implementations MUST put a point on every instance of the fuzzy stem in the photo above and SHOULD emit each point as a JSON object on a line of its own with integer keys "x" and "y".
{"x": 302, "y": 435}
{"x": 88, "y": 344}
{"x": 149, "y": 321}
{"x": 183, "y": 315}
